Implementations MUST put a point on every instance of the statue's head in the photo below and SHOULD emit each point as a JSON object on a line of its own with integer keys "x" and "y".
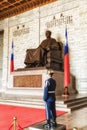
{"x": 48, "y": 34}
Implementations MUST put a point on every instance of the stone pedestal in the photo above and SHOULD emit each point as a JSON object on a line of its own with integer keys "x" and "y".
{"x": 59, "y": 127}
{"x": 40, "y": 127}
{"x": 34, "y": 80}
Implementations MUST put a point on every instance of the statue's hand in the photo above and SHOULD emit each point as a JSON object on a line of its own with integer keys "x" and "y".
{"x": 53, "y": 47}
{"x": 48, "y": 48}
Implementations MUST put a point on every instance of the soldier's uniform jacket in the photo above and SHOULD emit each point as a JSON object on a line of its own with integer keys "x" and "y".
{"x": 49, "y": 90}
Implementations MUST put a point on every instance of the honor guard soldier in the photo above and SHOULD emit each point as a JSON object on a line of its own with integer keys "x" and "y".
{"x": 49, "y": 98}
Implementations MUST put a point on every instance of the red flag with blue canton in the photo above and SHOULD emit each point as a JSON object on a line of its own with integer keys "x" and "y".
{"x": 12, "y": 59}
{"x": 66, "y": 62}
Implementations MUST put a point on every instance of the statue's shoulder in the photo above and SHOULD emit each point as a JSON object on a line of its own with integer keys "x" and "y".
{"x": 43, "y": 43}
{"x": 53, "y": 39}
{"x": 44, "y": 40}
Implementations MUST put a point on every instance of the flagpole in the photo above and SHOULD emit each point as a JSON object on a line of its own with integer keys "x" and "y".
{"x": 66, "y": 66}
{"x": 12, "y": 58}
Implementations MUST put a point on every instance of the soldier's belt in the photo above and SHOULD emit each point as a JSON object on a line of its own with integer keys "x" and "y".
{"x": 51, "y": 91}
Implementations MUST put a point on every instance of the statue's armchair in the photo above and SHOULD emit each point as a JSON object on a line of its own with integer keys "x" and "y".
{"x": 54, "y": 59}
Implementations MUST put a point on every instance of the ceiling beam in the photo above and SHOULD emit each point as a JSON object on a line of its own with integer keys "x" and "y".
{"x": 10, "y": 8}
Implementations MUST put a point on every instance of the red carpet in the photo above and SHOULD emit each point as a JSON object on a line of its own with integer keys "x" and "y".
{"x": 25, "y": 116}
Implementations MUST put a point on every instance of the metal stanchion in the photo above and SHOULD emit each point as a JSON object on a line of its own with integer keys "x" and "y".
{"x": 75, "y": 128}
{"x": 14, "y": 123}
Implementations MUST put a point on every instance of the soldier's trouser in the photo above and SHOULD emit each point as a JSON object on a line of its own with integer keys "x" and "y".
{"x": 50, "y": 111}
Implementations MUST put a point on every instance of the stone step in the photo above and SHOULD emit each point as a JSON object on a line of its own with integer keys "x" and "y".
{"x": 78, "y": 106}
{"x": 35, "y": 106}
{"x": 75, "y": 99}
{"x": 41, "y": 105}
{"x": 22, "y": 102}
{"x": 73, "y": 104}
{"x": 76, "y": 102}
{"x": 37, "y": 102}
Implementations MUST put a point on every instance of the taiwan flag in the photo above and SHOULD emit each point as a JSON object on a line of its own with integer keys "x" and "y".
{"x": 12, "y": 59}
{"x": 66, "y": 62}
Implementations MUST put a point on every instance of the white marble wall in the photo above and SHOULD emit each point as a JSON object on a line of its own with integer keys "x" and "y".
{"x": 36, "y": 21}
{"x": 1, "y": 60}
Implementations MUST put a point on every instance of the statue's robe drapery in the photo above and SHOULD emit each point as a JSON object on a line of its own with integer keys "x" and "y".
{"x": 38, "y": 55}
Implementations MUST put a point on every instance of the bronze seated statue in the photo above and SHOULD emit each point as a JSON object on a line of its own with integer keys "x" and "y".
{"x": 48, "y": 54}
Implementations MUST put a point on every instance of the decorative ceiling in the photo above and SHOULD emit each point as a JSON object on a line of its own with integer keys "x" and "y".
{"x": 10, "y": 8}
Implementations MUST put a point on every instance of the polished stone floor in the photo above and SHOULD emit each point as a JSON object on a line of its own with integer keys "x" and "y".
{"x": 77, "y": 118}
